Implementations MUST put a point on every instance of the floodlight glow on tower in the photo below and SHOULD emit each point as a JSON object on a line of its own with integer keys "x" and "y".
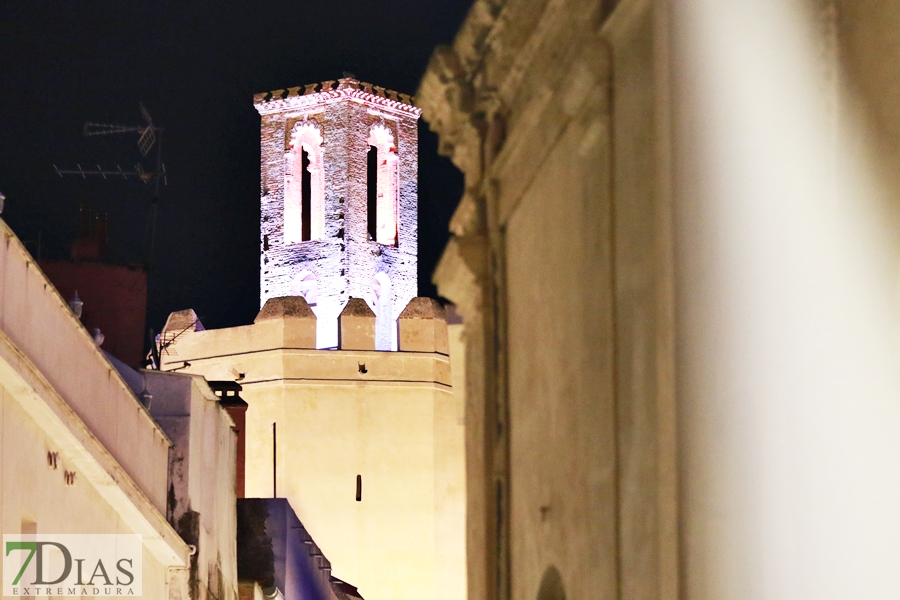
{"x": 333, "y": 154}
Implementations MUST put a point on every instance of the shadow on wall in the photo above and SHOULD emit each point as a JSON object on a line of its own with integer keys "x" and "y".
{"x": 551, "y": 585}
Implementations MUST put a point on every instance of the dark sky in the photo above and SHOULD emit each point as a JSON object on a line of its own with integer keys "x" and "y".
{"x": 195, "y": 65}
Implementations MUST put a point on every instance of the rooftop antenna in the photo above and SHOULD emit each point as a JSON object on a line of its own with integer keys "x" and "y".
{"x": 149, "y": 135}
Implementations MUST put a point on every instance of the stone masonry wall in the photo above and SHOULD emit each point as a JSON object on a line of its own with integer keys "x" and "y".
{"x": 345, "y": 261}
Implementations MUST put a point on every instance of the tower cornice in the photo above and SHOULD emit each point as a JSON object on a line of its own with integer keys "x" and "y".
{"x": 328, "y": 92}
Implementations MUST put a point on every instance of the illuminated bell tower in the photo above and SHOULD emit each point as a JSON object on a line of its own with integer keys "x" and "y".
{"x": 370, "y": 444}
{"x": 338, "y": 201}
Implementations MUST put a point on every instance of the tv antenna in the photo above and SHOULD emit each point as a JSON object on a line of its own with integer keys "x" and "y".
{"x": 149, "y": 135}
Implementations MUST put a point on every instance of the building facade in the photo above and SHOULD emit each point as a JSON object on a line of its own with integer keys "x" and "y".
{"x": 676, "y": 260}
{"x": 78, "y": 453}
{"x": 89, "y": 445}
{"x": 200, "y": 500}
{"x": 351, "y": 413}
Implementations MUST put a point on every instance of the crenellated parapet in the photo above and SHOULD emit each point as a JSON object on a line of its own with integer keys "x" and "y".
{"x": 289, "y": 322}
{"x": 314, "y": 94}
{"x": 356, "y": 326}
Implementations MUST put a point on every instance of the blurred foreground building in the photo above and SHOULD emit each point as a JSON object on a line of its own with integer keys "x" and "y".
{"x": 677, "y": 262}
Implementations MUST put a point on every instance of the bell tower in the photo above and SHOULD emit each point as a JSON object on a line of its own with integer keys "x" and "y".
{"x": 338, "y": 201}
{"x": 343, "y": 362}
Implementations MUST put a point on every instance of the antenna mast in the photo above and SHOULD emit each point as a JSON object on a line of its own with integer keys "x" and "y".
{"x": 149, "y": 135}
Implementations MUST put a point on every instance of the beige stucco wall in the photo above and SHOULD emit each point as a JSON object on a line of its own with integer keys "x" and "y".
{"x": 31, "y": 492}
{"x": 39, "y": 323}
{"x": 390, "y": 417}
{"x": 788, "y": 244}
{"x": 329, "y": 433}
{"x": 450, "y": 489}
{"x": 58, "y": 394}
{"x": 202, "y": 474}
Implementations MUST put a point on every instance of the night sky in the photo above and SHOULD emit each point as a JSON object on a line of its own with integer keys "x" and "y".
{"x": 195, "y": 65}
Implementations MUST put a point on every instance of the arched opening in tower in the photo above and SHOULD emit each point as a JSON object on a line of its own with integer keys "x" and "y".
{"x": 304, "y": 186}
{"x": 308, "y": 287}
{"x": 305, "y": 198}
{"x": 382, "y": 185}
{"x": 372, "y": 192}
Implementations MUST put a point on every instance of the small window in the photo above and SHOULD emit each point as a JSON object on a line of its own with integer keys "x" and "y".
{"x": 359, "y": 488}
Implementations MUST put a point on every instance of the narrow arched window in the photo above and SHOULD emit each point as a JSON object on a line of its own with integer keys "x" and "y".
{"x": 372, "y": 192}
{"x": 359, "y": 488}
{"x": 383, "y": 182}
{"x": 304, "y": 185}
{"x": 306, "y": 196}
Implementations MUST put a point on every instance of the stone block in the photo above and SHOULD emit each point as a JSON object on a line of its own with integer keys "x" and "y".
{"x": 423, "y": 327}
{"x": 285, "y": 306}
{"x": 183, "y": 320}
{"x": 356, "y": 326}
{"x": 297, "y": 320}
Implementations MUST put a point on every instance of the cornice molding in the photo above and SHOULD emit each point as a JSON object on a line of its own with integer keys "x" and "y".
{"x": 319, "y": 94}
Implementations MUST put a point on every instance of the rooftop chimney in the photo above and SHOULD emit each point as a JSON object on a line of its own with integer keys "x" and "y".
{"x": 236, "y": 407}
